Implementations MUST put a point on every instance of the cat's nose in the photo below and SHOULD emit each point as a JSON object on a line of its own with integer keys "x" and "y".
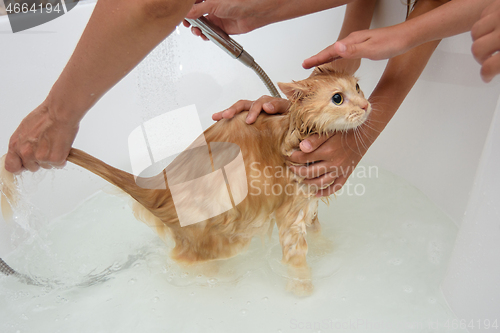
{"x": 364, "y": 105}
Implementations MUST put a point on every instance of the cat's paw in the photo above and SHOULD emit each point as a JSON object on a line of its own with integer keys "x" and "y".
{"x": 300, "y": 287}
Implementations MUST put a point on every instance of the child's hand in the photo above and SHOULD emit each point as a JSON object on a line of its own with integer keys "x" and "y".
{"x": 268, "y": 104}
{"x": 373, "y": 44}
{"x": 486, "y": 36}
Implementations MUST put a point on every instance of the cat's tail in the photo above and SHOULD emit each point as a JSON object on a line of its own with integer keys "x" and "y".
{"x": 117, "y": 177}
{"x": 148, "y": 197}
{"x": 8, "y": 191}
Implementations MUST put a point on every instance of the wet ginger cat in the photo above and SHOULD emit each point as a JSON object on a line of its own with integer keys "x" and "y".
{"x": 325, "y": 102}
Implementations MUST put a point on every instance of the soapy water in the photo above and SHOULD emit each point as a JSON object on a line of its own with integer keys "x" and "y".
{"x": 377, "y": 268}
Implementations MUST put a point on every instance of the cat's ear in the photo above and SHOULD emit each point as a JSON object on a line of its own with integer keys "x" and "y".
{"x": 293, "y": 91}
{"x": 328, "y": 68}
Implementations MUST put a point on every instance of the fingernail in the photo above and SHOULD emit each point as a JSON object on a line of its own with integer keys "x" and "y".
{"x": 305, "y": 145}
{"x": 269, "y": 106}
{"x": 342, "y": 48}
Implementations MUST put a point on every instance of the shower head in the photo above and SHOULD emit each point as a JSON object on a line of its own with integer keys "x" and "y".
{"x": 235, "y": 50}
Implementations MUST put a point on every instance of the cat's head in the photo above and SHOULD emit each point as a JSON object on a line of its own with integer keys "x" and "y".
{"x": 325, "y": 102}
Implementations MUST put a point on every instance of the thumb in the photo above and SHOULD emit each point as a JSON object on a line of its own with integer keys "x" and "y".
{"x": 200, "y": 9}
{"x": 277, "y": 105}
{"x": 313, "y": 142}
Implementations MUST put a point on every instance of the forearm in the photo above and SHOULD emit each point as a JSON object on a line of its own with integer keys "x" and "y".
{"x": 398, "y": 79}
{"x": 358, "y": 16}
{"x": 452, "y": 18}
{"x": 119, "y": 35}
{"x": 281, "y": 10}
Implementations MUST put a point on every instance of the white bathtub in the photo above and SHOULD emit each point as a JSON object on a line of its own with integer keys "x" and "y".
{"x": 444, "y": 139}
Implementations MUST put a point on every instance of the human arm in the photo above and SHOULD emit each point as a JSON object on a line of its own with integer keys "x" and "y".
{"x": 486, "y": 36}
{"x": 242, "y": 16}
{"x": 340, "y": 153}
{"x": 450, "y": 19}
{"x": 358, "y": 16}
{"x": 120, "y": 33}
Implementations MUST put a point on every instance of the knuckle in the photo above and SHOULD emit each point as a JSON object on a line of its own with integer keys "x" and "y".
{"x": 241, "y": 102}
{"x": 13, "y": 142}
{"x": 282, "y": 104}
{"x": 57, "y": 159}
{"x": 475, "y": 50}
{"x": 26, "y": 151}
{"x": 40, "y": 155}
{"x": 474, "y": 32}
{"x": 354, "y": 34}
{"x": 328, "y": 151}
{"x": 351, "y": 49}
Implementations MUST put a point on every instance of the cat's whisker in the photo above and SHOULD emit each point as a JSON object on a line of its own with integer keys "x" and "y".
{"x": 358, "y": 139}
{"x": 368, "y": 124}
{"x": 361, "y": 133}
{"x": 358, "y": 132}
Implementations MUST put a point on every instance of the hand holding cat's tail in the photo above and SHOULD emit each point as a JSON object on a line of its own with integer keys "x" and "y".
{"x": 8, "y": 191}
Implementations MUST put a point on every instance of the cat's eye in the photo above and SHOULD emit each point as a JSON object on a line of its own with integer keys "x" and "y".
{"x": 338, "y": 99}
{"x": 357, "y": 88}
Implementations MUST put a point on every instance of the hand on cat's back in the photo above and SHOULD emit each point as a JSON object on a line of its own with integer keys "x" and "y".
{"x": 268, "y": 104}
{"x": 333, "y": 159}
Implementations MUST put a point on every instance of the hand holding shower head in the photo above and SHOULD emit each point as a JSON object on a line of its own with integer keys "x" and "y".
{"x": 235, "y": 50}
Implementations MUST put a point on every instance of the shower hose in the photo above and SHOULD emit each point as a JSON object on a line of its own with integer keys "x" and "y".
{"x": 221, "y": 39}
